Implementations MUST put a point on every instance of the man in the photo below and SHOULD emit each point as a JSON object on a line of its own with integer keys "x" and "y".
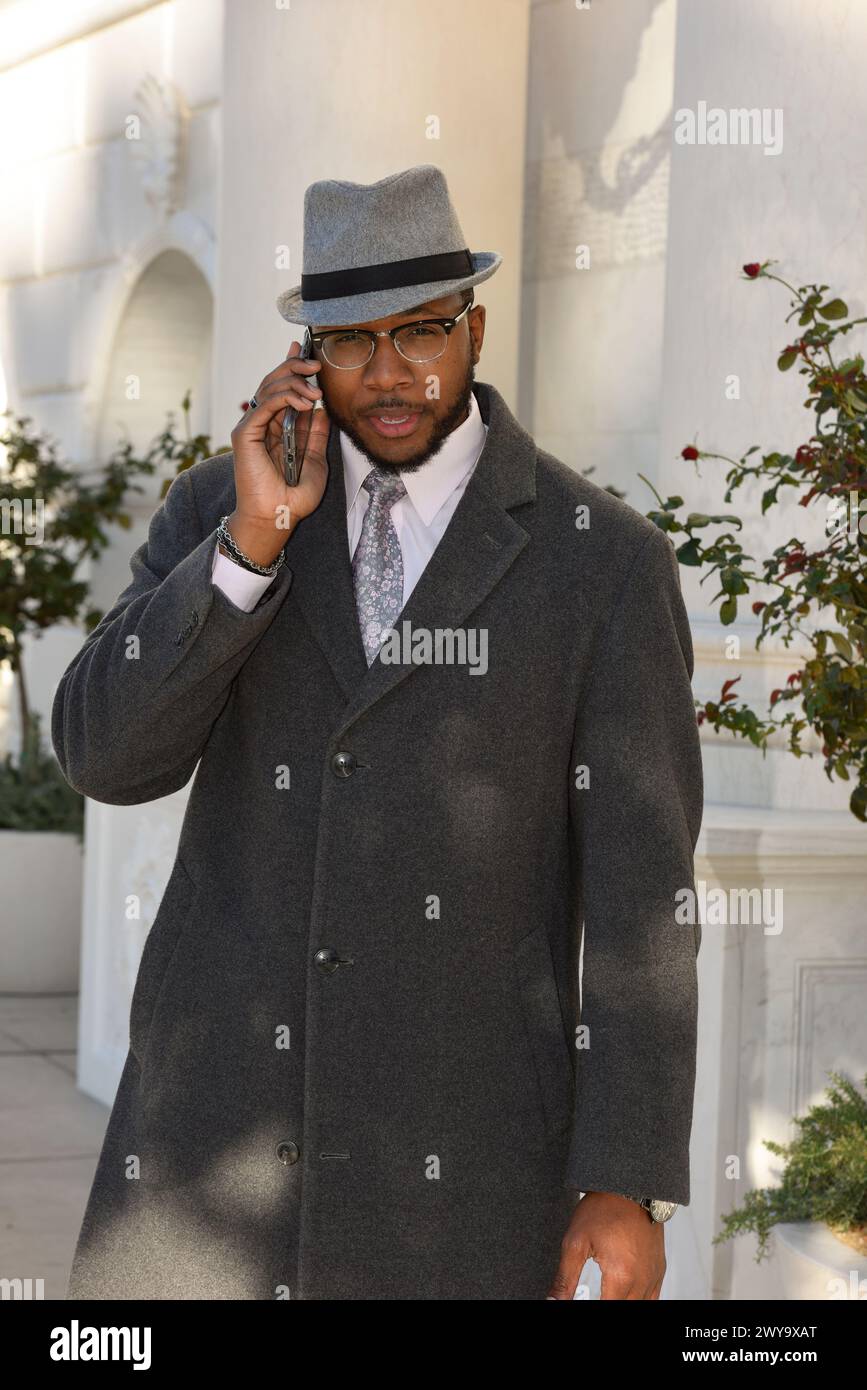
{"x": 439, "y": 695}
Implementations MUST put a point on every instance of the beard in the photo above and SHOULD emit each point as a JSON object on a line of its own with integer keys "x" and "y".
{"x": 442, "y": 428}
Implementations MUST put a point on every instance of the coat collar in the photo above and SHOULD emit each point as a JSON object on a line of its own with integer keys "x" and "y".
{"x": 480, "y": 544}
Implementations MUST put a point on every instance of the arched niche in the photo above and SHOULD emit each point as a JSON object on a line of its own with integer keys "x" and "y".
{"x": 162, "y": 348}
{"x": 161, "y": 345}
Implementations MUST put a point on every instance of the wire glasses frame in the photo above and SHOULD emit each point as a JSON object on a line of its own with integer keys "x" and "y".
{"x": 371, "y": 334}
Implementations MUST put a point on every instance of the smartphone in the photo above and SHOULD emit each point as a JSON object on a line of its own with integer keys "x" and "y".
{"x": 291, "y": 462}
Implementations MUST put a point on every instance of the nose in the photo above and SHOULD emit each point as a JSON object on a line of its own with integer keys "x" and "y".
{"x": 386, "y": 369}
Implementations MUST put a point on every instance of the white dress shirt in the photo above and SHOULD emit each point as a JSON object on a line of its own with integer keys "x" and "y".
{"x": 420, "y": 518}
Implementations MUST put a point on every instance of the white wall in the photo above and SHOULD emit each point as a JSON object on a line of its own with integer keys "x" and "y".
{"x": 334, "y": 89}
{"x": 598, "y": 165}
{"x": 106, "y": 273}
{"x": 79, "y": 227}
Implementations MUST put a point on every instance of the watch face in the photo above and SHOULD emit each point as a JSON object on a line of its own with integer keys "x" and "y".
{"x": 661, "y": 1211}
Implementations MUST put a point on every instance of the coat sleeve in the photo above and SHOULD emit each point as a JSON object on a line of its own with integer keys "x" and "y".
{"x": 634, "y": 829}
{"x": 133, "y": 710}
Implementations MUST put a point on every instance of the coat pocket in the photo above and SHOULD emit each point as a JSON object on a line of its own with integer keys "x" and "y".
{"x": 543, "y": 1018}
{"x": 159, "y": 948}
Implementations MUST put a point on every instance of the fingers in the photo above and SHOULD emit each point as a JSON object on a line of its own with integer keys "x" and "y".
{"x": 574, "y": 1254}
{"x": 287, "y": 385}
{"x": 299, "y": 394}
{"x": 295, "y": 394}
{"x": 311, "y": 431}
{"x": 293, "y": 371}
{"x": 254, "y": 424}
{"x": 311, "y": 435}
{"x": 307, "y": 415}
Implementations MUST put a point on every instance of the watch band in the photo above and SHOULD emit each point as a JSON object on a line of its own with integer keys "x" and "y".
{"x": 656, "y": 1209}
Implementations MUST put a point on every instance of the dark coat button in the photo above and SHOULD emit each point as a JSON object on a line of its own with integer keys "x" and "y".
{"x": 343, "y": 764}
{"x": 288, "y": 1152}
{"x": 327, "y": 959}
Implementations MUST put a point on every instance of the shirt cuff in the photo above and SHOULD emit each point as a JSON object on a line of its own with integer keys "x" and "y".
{"x": 243, "y": 587}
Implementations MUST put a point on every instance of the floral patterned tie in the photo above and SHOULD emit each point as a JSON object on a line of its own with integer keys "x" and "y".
{"x": 377, "y": 565}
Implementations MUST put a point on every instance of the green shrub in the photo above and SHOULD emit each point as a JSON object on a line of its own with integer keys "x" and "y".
{"x": 824, "y": 1178}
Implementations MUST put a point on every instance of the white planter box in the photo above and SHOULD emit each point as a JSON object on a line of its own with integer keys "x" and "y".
{"x": 40, "y": 924}
{"x": 815, "y": 1264}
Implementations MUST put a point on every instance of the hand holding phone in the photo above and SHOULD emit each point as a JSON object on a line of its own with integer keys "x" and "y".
{"x": 264, "y": 492}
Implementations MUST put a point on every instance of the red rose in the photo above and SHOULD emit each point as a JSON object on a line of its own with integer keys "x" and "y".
{"x": 758, "y": 606}
{"x": 753, "y": 269}
{"x": 795, "y": 560}
{"x": 245, "y": 405}
{"x": 775, "y": 695}
{"x": 793, "y": 678}
{"x": 690, "y": 453}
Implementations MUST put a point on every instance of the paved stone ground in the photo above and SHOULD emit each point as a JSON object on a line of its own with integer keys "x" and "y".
{"x": 50, "y": 1138}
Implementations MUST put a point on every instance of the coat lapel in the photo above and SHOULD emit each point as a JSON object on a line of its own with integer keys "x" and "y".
{"x": 480, "y": 544}
{"x": 318, "y": 556}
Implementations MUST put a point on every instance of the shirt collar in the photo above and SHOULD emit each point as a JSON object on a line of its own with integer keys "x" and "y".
{"x": 429, "y": 486}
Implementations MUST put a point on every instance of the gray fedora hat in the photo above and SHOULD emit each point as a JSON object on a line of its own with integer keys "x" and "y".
{"x": 375, "y": 249}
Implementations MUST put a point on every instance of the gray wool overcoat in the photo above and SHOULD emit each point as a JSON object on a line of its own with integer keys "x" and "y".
{"x": 359, "y": 1065}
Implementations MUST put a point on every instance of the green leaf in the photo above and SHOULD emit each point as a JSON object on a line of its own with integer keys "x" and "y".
{"x": 843, "y": 645}
{"x": 697, "y": 519}
{"x": 728, "y": 611}
{"x": 769, "y": 497}
{"x": 786, "y": 359}
{"x": 689, "y": 553}
{"x": 834, "y": 309}
{"x": 732, "y": 580}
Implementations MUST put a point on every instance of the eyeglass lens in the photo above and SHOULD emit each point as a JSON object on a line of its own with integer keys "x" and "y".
{"x": 417, "y": 342}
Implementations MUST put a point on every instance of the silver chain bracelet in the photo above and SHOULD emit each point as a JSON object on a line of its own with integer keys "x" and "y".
{"x": 226, "y": 539}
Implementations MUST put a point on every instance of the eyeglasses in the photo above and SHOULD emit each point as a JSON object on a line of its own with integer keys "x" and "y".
{"x": 421, "y": 341}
